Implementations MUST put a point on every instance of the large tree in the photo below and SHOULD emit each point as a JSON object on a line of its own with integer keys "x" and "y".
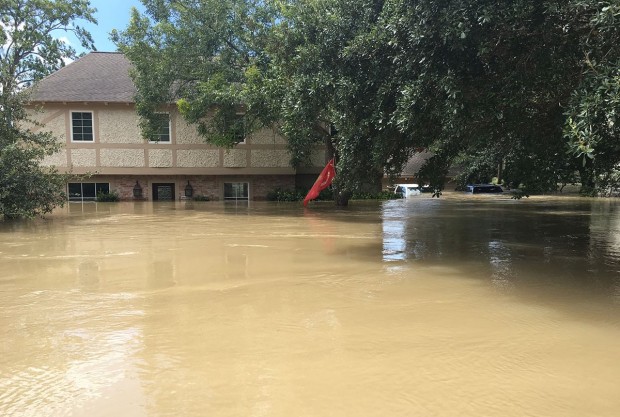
{"x": 488, "y": 84}
{"x": 524, "y": 90}
{"x": 198, "y": 55}
{"x": 29, "y": 50}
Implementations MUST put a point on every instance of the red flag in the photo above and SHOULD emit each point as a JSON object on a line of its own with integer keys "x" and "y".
{"x": 321, "y": 183}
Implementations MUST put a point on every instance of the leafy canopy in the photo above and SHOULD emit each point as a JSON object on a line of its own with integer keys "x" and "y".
{"x": 523, "y": 90}
{"x": 29, "y": 50}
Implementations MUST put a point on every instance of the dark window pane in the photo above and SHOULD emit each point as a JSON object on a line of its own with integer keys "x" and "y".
{"x": 103, "y": 187}
{"x": 236, "y": 190}
{"x": 162, "y": 121}
{"x": 82, "y": 126}
{"x": 89, "y": 190}
{"x": 75, "y": 190}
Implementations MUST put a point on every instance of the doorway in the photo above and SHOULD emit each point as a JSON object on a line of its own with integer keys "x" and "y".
{"x": 163, "y": 191}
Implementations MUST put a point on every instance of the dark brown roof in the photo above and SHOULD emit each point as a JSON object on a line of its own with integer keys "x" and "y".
{"x": 415, "y": 163}
{"x": 96, "y": 77}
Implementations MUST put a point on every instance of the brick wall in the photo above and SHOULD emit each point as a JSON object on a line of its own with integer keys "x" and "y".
{"x": 263, "y": 184}
{"x": 204, "y": 185}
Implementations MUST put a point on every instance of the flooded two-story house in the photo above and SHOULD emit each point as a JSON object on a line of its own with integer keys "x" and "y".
{"x": 89, "y": 107}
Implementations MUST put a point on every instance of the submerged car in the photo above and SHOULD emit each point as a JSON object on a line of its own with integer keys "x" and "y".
{"x": 407, "y": 190}
{"x": 484, "y": 188}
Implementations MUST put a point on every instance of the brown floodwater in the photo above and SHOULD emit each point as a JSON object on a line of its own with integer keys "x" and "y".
{"x": 462, "y": 306}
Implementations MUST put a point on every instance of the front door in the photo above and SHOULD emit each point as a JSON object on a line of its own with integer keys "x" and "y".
{"x": 163, "y": 191}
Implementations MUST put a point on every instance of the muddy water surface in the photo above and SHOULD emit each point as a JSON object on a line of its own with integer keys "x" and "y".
{"x": 463, "y": 306}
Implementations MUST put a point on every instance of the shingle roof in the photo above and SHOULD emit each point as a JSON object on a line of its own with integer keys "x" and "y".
{"x": 415, "y": 163}
{"x": 96, "y": 77}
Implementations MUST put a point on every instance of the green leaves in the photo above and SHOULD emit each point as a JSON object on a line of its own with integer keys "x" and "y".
{"x": 30, "y": 51}
{"x": 207, "y": 57}
{"x": 494, "y": 86}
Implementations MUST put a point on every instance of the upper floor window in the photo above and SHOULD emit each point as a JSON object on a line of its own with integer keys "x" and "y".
{"x": 239, "y": 128}
{"x": 82, "y": 126}
{"x": 162, "y": 121}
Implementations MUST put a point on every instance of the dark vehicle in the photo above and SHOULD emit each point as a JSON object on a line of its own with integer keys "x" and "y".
{"x": 484, "y": 189}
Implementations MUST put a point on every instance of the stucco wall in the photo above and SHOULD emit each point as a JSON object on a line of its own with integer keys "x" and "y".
{"x": 160, "y": 158}
{"x": 58, "y": 159}
{"x": 119, "y": 144}
{"x": 266, "y": 137}
{"x": 119, "y": 126}
{"x": 53, "y": 121}
{"x": 186, "y": 134}
{"x": 270, "y": 158}
{"x": 122, "y": 157}
{"x": 235, "y": 158}
{"x": 84, "y": 157}
{"x": 198, "y": 158}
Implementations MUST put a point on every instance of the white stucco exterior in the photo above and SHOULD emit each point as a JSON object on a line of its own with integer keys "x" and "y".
{"x": 118, "y": 126}
{"x": 131, "y": 158}
{"x": 266, "y": 137}
{"x": 84, "y": 157}
{"x": 160, "y": 158}
{"x": 270, "y": 158}
{"x": 235, "y": 158}
{"x": 118, "y": 143}
{"x": 198, "y": 158}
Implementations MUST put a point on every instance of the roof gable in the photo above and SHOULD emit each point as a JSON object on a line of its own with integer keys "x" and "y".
{"x": 95, "y": 77}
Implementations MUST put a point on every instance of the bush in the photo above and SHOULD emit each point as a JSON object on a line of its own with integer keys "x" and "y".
{"x": 286, "y": 195}
{"x": 382, "y": 195}
{"x": 327, "y": 195}
{"x": 200, "y": 198}
{"x": 112, "y": 196}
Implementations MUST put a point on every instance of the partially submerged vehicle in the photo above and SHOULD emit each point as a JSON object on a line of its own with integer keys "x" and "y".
{"x": 483, "y": 189}
{"x": 407, "y": 190}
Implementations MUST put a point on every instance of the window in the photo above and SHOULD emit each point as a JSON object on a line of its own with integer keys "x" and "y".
{"x": 162, "y": 125}
{"x": 236, "y": 126}
{"x": 80, "y": 191}
{"x": 82, "y": 126}
{"x": 236, "y": 191}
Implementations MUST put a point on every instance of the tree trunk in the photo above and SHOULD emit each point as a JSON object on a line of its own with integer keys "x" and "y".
{"x": 341, "y": 198}
{"x": 586, "y": 176}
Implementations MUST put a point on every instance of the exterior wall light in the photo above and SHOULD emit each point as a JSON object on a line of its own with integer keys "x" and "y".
{"x": 189, "y": 190}
{"x": 137, "y": 190}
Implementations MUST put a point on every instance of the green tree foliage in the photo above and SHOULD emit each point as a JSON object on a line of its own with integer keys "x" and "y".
{"x": 199, "y": 55}
{"x": 591, "y": 126}
{"x": 488, "y": 84}
{"x": 523, "y": 90}
{"x": 497, "y": 87}
{"x": 28, "y": 52}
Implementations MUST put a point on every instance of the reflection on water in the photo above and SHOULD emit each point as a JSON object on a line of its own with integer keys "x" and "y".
{"x": 469, "y": 306}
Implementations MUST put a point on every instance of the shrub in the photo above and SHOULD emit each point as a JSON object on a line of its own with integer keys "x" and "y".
{"x": 200, "y": 198}
{"x": 112, "y": 196}
{"x": 382, "y": 195}
{"x": 285, "y": 195}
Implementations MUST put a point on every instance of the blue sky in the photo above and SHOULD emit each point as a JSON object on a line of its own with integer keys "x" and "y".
{"x": 111, "y": 14}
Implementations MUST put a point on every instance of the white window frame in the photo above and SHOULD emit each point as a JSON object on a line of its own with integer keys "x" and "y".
{"x": 92, "y": 125}
{"x": 169, "y": 141}
{"x": 82, "y": 198}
